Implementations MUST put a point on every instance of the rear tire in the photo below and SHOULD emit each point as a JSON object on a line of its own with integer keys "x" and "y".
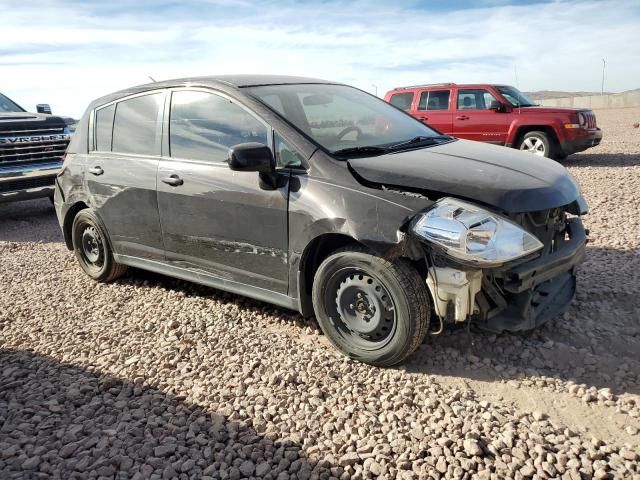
{"x": 373, "y": 310}
{"x": 538, "y": 143}
{"x": 92, "y": 249}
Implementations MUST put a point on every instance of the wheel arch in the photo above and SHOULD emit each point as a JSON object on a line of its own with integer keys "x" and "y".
{"x": 325, "y": 244}
{"x": 548, "y": 129}
{"x": 68, "y": 221}
{"x": 316, "y": 251}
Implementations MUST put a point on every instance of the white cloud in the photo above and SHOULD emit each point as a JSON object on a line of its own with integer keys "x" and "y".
{"x": 67, "y": 53}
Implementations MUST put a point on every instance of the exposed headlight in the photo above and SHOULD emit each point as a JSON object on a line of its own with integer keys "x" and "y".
{"x": 70, "y": 128}
{"x": 473, "y": 234}
{"x": 582, "y": 120}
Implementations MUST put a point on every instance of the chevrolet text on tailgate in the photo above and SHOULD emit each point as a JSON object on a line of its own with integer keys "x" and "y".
{"x": 319, "y": 197}
{"x": 501, "y": 115}
{"x": 32, "y": 146}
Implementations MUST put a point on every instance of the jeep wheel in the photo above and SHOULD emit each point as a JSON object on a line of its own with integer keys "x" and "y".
{"x": 371, "y": 309}
{"x": 537, "y": 143}
{"x": 92, "y": 249}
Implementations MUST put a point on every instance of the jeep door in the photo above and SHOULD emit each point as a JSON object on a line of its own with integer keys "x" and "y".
{"x": 216, "y": 221}
{"x": 473, "y": 120}
{"x": 121, "y": 169}
{"x": 433, "y": 109}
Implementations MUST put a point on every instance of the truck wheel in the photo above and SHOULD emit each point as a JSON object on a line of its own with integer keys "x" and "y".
{"x": 92, "y": 249}
{"x": 373, "y": 310}
{"x": 537, "y": 143}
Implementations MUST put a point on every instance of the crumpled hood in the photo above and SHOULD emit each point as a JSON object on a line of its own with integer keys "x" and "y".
{"x": 507, "y": 179}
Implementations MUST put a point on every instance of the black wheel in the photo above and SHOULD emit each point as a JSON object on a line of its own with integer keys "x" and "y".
{"x": 537, "y": 143}
{"x": 92, "y": 249}
{"x": 373, "y": 310}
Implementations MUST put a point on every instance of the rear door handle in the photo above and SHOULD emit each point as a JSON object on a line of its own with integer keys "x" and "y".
{"x": 97, "y": 170}
{"x": 173, "y": 180}
{"x": 462, "y": 117}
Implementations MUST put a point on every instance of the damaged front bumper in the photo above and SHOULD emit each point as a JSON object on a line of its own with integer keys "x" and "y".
{"x": 517, "y": 296}
{"x": 525, "y": 296}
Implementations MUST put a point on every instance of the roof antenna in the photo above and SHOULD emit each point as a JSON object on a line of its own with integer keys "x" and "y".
{"x": 152, "y": 79}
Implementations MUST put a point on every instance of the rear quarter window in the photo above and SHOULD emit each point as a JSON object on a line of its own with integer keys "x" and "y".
{"x": 104, "y": 128}
{"x": 401, "y": 100}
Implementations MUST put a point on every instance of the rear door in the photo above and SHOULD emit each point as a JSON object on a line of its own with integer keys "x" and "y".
{"x": 216, "y": 221}
{"x": 121, "y": 169}
{"x": 433, "y": 108}
{"x": 473, "y": 120}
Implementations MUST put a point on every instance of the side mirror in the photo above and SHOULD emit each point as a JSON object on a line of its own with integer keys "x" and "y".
{"x": 43, "y": 108}
{"x": 497, "y": 106}
{"x": 251, "y": 157}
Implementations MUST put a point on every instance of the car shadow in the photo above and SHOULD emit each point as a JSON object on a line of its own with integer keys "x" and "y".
{"x": 602, "y": 160}
{"x": 29, "y": 221}
{"x": 64, "y": 421}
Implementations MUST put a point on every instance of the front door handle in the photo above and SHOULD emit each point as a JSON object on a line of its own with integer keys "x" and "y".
{"x": 97, "y": 170}
{"x": 173, "y": 180}
{"x": 462, "y": 117}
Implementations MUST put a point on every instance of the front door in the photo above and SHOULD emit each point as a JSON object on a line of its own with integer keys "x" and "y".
{"x": 474, "y": 120}
{"x": 121, "y": 170}
{"x": 216, "y": 221}
{"x": 433, "y": 109}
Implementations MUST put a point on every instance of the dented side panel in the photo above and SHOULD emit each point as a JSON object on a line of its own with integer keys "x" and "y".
{"x": 328, "y": 200}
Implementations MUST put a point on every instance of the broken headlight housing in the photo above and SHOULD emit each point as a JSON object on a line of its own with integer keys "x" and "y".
{"x": 472, "y": 234}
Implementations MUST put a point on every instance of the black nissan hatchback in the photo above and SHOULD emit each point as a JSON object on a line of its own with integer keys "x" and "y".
{"x": 321, "y": 198}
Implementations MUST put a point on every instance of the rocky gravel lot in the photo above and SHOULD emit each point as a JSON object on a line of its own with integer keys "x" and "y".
{"x": 152, "y": 377}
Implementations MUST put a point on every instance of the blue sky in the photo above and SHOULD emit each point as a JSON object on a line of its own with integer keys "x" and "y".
{"x": 67, "y": 52}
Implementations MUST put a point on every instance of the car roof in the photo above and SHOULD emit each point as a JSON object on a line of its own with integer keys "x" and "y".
{"x": 228, "y": 81}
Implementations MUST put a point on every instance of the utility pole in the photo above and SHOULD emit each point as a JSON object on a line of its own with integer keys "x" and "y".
{"x": 376, "y": 87}
{"x": 604, "y": 64}
{"x": 515, "y": 72}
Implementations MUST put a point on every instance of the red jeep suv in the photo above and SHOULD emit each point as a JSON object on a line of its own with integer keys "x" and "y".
{"x": 499, "y": 114}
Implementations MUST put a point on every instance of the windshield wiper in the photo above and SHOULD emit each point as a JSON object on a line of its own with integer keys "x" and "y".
{"x": 366, "y": 150}
{"x": 420, "y": 139}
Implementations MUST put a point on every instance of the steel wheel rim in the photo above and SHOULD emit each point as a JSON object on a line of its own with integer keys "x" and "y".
{"x": 361, "y": 308}
{"x": 92, "y": 247}
{"x": 534, "y": 145}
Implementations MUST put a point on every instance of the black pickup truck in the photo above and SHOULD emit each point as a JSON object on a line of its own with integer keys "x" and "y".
{"x": 32, "y": 147}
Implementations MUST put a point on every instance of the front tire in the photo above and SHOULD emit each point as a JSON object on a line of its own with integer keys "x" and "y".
{"x": 537, "y": 143}
{"x": 92, "y": 249}
{"x": 373, "y": 310}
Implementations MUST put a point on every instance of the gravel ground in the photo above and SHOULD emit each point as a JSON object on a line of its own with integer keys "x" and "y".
{"x": 152, "y": 377}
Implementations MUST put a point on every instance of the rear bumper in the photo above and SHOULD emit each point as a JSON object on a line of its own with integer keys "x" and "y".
{"x": 24, "y": 182}
{"x": 537, "y": 291}
{"x": 586, "y": 139}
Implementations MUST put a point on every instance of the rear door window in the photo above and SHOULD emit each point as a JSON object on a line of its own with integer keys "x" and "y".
{"x": 135, "y": 126}
{"x": 204, "y": 126}
{"x": 434, "y": 100}
{"x": 474, "y": 99}
{"x": 401, "y": 100}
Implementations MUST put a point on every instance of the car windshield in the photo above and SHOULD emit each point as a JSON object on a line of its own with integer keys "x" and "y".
{"x": 7, "y": 105}
{"x": 515, "y": 97}
{"x": 345, "y": 120}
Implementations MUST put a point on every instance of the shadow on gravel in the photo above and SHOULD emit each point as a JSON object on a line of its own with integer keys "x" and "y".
{"x": 58, "y": 420}
{"x": 29, "y": 221}
{"x": 602, "y": 160}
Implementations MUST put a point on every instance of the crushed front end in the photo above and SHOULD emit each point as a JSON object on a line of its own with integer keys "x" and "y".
{"x": 503, "y": 272}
